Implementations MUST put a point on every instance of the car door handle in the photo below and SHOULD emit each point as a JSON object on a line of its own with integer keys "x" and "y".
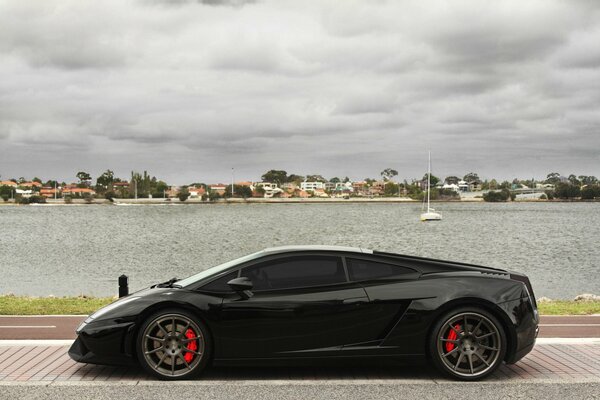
{"x": 356, "y": 300}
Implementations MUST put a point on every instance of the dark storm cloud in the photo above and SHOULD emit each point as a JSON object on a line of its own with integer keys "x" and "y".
{"x": 189, "y": 89}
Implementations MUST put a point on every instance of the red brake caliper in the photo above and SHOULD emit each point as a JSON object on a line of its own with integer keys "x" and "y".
{"x": 190, "y": 334}
{"x": 452, "y": 336}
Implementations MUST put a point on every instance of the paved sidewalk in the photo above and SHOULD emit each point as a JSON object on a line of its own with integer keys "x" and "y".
{"x": 558, "y": 362}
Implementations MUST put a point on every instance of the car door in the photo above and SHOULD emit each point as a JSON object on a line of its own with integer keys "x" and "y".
{"x": 302, "y": 306}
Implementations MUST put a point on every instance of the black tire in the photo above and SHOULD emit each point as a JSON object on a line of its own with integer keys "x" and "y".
{"x": 470, "y": 355}
{"x": 173, "y": 354}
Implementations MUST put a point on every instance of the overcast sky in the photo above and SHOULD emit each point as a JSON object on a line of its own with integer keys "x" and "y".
{"x": 190, "y": 89}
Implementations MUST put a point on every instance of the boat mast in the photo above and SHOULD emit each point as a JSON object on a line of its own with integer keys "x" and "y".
{"x": 428, "y": 179}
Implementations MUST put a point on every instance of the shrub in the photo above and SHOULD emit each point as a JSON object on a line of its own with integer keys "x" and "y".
{"x": 183, "y": 194}
{"x": 590, "y": 192}
{"x": 494, "y": 196}
{"x": 37, "y": 199}
{"x": 5, "y": 197}
{"x": 567, "y": 191}
{"x": 68, "y": 199}
{"x": 22, "y": 200}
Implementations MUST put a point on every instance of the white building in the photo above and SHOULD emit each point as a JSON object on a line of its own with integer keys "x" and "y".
{"x": 451, "y": 186}
{"x": 270, "y": 189}
{"x": 311, "y": 186}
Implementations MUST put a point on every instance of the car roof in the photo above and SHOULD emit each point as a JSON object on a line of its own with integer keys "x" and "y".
{"x": 287, "y": 249}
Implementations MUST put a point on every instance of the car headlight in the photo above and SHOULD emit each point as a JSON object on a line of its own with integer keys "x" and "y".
{"x": 111, "y": 307}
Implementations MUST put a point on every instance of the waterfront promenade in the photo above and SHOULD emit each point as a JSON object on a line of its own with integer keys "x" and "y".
{"x": 34, "y": 364}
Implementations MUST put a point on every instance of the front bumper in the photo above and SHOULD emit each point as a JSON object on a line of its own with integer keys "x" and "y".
{"x": 103, "y": 342}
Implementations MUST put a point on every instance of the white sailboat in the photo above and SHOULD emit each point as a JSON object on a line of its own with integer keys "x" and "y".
{"x": 430, "y": 214}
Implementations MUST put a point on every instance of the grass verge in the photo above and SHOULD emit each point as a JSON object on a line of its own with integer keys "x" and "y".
{"x": 22, "y": 305}
{"x": 569, "y": 307}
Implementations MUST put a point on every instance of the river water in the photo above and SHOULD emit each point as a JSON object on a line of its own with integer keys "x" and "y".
{"x": 70, "y": 250}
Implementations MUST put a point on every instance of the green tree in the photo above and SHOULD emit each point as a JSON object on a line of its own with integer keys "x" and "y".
{"x": 471, "y": 177}
{"x": 434, "y": 180}
{"x": 36, "y": 179}
{"x": 184, "y": 193}
{"x": 574, "y": 181}
{"x": 238, "y": 191}
{"x": 452, "y": 180}
{"x": 388, "y": 174}
{"x": 335, "y": 180}
{"x": 293, "y": 178}
{"x": 590, "y": 192}
{"x": 106, "y": 180}
{"x": 567, "y": 191}
{"x": 84, "y": 178}
{"x": 553, "y": 178}
{"x": 391, "y": 189}
{"x": 275, "y": 176}
{"x": 315, "y": 178}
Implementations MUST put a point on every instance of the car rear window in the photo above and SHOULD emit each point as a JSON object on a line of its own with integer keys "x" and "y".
{"x": 360, "y": 270}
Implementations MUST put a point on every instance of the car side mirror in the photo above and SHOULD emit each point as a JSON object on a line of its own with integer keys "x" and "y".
{"x": 242, "y": 286}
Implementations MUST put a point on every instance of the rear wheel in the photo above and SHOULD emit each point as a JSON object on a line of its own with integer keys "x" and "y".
{"x": 468, "y": 344}
{"x": 173, "y": 344}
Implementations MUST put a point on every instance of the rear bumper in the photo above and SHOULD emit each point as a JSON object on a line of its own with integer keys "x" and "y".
{"x": 525, "y": 320}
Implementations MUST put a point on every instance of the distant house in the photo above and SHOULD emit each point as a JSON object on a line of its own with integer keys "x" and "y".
{"x": 218, "y": 188}
{"x": 289, "y": 187}
{"x": 24, "y": 192}
{"x": 80, "y": 192}
{"x": 344, "y": 187}
{"x": 270, "y": 189}
{"x": 8, "y": 183}
{"x": 48, "y": 192}
{"x": 463, "y": 186}
{"x": 197, "y": 191}
{"x": 451, "y": 186}
{"x": 360, "y": 188}
{"x": 330, "y": 186}
{"x": 31, "y": 184}
{"x": 301, "y": 193}
{"x": 311, "y": 186}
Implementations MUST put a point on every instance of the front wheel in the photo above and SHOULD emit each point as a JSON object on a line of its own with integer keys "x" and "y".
{"x": 173, "y": 344}
{"x": 468, "y": 344}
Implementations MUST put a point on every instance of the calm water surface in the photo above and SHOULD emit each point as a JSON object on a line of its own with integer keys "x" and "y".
{"x": 70, "y": 250}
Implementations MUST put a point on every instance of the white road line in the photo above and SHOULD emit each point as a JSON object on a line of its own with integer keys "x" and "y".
{"x": 569, "y": 325}
{"x": 42, "y": 316}
{"x": 35, "y": 342}
{"x": 27, "y": 326}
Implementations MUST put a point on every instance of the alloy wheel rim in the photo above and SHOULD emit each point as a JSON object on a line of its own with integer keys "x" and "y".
{"x": 469, "y": 344}
{"x": 173, "y": 345}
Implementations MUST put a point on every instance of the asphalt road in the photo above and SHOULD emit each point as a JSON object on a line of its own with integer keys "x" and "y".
{"x": 63, "y": 327}
{"x": 312, "y": 390}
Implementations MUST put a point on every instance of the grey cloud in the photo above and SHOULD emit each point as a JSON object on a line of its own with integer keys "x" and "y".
{"x": 190, "y": 90}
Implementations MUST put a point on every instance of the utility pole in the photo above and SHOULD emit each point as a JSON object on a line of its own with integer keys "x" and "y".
{"x": 135, "y": 185}
{"x": 55, "y": 183}
{"x": 232, "y": 180}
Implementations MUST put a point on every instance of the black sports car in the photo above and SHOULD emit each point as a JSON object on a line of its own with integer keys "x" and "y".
{"x": 311, "y": 303}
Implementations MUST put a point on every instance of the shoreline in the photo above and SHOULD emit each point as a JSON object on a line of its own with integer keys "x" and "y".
{"x": 358, "y": 200}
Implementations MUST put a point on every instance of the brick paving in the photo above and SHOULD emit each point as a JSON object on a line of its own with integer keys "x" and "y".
{"x": 49, "y": 364}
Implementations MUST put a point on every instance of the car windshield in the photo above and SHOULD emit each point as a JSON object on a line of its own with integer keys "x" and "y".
{"x": 217, "y": 269}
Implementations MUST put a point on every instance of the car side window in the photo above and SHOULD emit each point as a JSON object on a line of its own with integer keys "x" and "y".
{"x": 295, "y": 272}
{"x": 220, "y": 285}
{"x": 360, "y": 270}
